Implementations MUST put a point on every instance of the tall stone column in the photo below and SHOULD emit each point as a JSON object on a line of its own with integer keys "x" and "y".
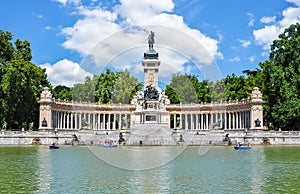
{"x": 45, "y": 121}
{"x": 256, "y": 114}
{"x": 205, "y": 121}
{"x": 61, "y": 120}
{"x": 80, "y": 126}
{"x": 68, "y": 120}
{"x": 75, "y": 120}
{"x": 197, "y": 121}
{"x": 229, "y": 120}
{"x": 225, "y": 120}
{"x": 72, "y": 117}
{"x": 201, "y": 121}
{"x": 120, "y": 121}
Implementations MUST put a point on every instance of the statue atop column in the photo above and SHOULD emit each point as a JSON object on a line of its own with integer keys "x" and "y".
{"x": 151, "y": 53}
{"x": 151, "y": 40}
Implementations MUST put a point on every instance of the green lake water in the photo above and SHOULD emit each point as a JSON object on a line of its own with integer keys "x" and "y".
{"x": 173, "y": 169}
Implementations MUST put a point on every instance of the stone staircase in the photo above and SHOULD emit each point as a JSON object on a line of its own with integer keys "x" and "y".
{"x": 150, "y": 134}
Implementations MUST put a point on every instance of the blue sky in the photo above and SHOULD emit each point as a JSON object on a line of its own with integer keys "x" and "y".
{"x": 73, "y": 39}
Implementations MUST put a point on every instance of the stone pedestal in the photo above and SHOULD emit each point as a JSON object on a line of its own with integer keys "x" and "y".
{"x": 256, "y": 109}
{"x": 45, "y": 122}
{"x": 151, "y": 112}
{"x": 151, "y": 64}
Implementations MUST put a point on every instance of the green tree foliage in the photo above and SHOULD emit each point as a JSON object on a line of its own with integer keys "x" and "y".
{"x": 203, "y": 91}
{"x": 254, "y": 79}
{"x": 187, "y": 88}
{"x": 182, "y": 89}
{"x": 281, "y": 86}
{"x": 172, "y": 95}
{"x": 21, "y": 83}
{"x": 105, "y": 83}
{"x": 125, "y": 88}
{"x": 108, "y": 87}
{"x": 6, "y": 47}
{"x": 6, "y": 54}
{"x": 85, "y": 92}
{"x": 235, "y": 87}
{"x": 63, "y": 92}
{"x": 217, "y": 91}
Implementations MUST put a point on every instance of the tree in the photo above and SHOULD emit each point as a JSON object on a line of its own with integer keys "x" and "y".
{"x": 203, "y": 91}
{"x": 254, "y": 79}
{"x": 85, "y": 92}
{"x": 281, "y": 86}
{"x": 63, "y": 92}
{"x": 173, "y": 97}
{"x": 235, "y": 87}
{"x": 6, "y": 54}
{"x": 108, "y": 87}
{"x": 6, "y": 47}
{"x": 217, "y": 91}
{"x": 104, "y": 86}
{"x": 183, "y": 89}
{"x": 125, "y": 88}
{"x": 21, "y": 85}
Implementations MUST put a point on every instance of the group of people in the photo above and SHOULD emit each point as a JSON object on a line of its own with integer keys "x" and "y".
{"x": 239, "y": 144}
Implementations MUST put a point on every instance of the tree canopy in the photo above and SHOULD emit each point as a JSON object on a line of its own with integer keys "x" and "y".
{"x": 281, "y": 86}
{"x": 63, "y": 92}
{"x": 125, "y": 88}
{"x": 188, "y": 89}
{"x": 21, "y": 83}
{"x": 108, "y": 87}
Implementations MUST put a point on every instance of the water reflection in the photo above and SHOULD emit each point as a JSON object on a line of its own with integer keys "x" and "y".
{"x": 44, "y": 169}
{"x": 257, "y": 168}
{"x": 282, "y": 168}
{"x": 18, "y": 169}
{"x": 155, "y": 180}
{"x": 138, "y": 158}
{"x": 221, "y": 170}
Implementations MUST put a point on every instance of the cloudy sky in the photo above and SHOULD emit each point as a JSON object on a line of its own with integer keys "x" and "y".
{"x": 73, "y": 39}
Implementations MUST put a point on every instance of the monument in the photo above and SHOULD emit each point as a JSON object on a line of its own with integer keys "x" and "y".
{"x": 151, "y": 120}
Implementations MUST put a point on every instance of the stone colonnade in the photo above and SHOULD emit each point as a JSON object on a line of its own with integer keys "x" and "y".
{"x": 244, "y": 114}
{"x": 198, "y": 120}
{"x": 97, "y": 121}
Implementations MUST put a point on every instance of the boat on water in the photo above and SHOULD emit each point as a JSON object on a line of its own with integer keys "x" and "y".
{"x": 108, "y": 144}
{"x": 54, "y": 146}
{"x": 240, "y": 146}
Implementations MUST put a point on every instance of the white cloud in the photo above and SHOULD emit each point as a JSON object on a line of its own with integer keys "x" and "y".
{"x": 290, "y": 15}
{"x": 244, "y": 43}
{"x": 65, "y": 72}
{"x": 120, "y": 36}
{"x": 268, "y": 33}
{"x": 251, "y": 19}
{"x": 65, "y": 2}
{"x": 235, "y": 59}
{"x": 267, "y": 20}
{"x": 140, "y": 11}
{"x": 296, "y": 2}
{"x": 86, "y": 33}
{"x": 252, "y": 58}
{"x": 47, "y": 27}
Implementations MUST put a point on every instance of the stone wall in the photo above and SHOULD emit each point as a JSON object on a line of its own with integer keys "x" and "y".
{"x": 189, "y": 137}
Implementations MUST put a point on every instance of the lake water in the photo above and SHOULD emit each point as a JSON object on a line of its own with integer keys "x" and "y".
{"x": 173, "y": 169}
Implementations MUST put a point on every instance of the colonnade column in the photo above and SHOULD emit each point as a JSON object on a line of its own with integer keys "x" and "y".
{"x": 197, "y": 121}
